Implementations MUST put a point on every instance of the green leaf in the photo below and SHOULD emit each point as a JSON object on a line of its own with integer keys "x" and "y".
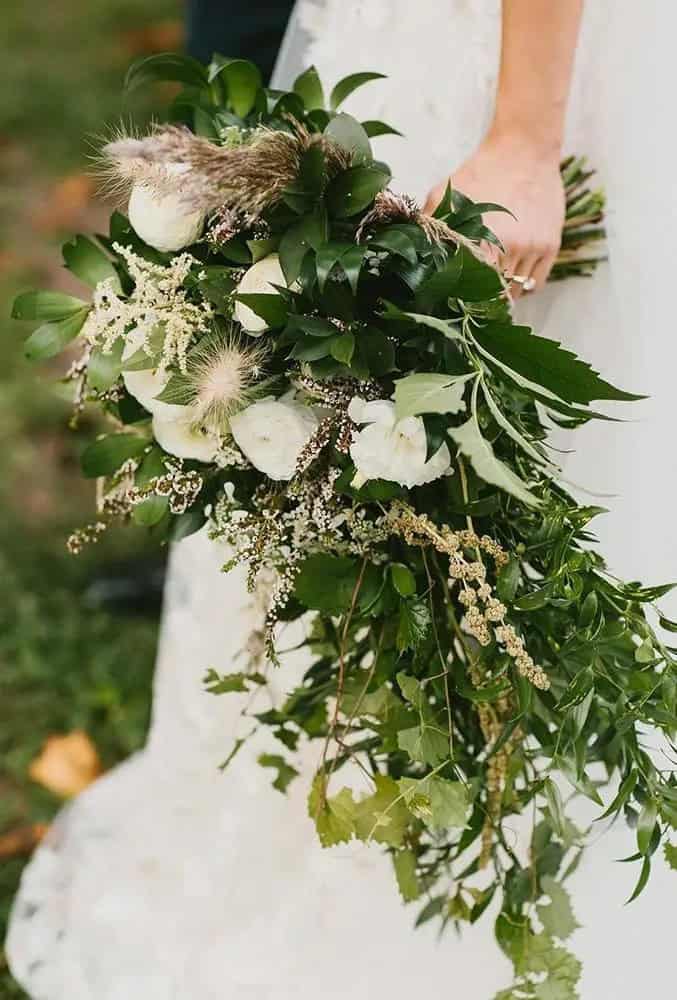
{"x": 374, "y": 128}
{"x": 188, "y": 523}
{"x": 443, "y": 326}
{"x": 103, "y": 369}
{"x": 414, "y": 622}
{"x": 478, "y": 281}
{"x": 329, "y": 583}
{"x": 88, "y": 262}
{"x": 376, "y": 351}
{"x": 327, "y": 257}
{"x": 285, "y": 772}
{"x": 46, "y": 305}
{"x": 383, "y": 816}
{"x": 243, "y": 82}
{"x": 555, "y": 807}
{"x": 625, "y": 790}
{"x": 448, "y": 801}
{"x": 556, "y": 916}
{"x": 150, "y": 511}
{"x": 645, "y": 826}
{"x": 481, "y": 455}
{"x": 577, "y": 689}
{"x": 403, "y": 579}
{"x": 105, "y": 456}
{"x": 347, "y": 132}
{"x": 430, "y": 392}
{"x": 271, "y": 308}
{"x": 308, "y": 233}
{"x": 425, "y": 744}
{"x": 354, "y": 190}
{"x": 342, "y": 347}
{"x": 546, "y": 363}
{"x": 441, "y": 285}
{"x": 52, "y": 338}
{"x": 309, "y": 89}
{"x": 397, "y": 242}
{"x": 165, "y": 66}
{"x": 334, "y": 817}
{"x": 404, "y": 863}
{"x": 511, "y": 430}
{"x": 642, "y": 880}
{"x": 345, "y": 87}
{"x": 670, "y": 852}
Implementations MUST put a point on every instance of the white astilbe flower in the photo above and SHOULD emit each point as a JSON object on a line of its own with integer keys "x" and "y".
{"x": 158, "y": 299}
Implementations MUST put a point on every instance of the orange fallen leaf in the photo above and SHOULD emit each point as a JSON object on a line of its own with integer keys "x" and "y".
{"x": 66, "y": 764}
{"x": 21, "y": 840}
{"x": 163, "y": 36}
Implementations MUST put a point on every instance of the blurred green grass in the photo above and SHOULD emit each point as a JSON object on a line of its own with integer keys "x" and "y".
{"x": 64, "y": 665}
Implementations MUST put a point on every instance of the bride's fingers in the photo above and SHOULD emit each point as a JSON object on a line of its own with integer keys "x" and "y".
{"x": 524, "y": 268}
{"x": 543, "y": 269}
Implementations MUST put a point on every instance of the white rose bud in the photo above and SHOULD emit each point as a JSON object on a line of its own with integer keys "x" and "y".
{"x": 184, "y": 436}
{"x": 147, "y": 384}
{"x": 258, "y": 280}
{"x": 392, "y": 449}
{"x": 163, "y": 220}
{"x": 272, "y": 433}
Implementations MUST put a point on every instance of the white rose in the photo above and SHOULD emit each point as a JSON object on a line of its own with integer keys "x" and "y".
{"x": 146, "y": 385}
{"x": 272, "y": 433}
{"x": 163, "y": 220}
{"x": 258, "y": 280}
{"x": 392, "y": 449}
{"x": 184, "y": 436}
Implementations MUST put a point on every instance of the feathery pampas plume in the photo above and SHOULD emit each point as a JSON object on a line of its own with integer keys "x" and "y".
{"x": 247, "y": 178}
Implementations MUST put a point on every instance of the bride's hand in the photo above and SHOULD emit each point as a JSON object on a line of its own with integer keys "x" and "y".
{"x": 506, "y": 171}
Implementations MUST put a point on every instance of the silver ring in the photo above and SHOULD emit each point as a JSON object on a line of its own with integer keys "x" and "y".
{"x": 527, "y": 282}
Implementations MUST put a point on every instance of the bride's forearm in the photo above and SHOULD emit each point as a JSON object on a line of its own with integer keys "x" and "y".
{"x": 537, "y": 54}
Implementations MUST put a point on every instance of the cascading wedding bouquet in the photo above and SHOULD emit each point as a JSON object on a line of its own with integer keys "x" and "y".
{"x": 332, "y": 381}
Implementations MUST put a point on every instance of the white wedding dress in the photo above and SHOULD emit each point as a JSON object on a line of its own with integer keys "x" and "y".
{"x": 168, "y": 879}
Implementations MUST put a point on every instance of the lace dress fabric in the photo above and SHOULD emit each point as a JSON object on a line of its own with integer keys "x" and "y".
{"x": 168, "y": 879}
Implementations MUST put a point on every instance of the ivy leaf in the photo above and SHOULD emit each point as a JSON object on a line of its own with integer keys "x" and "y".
{"x": 334, "y": 817}
{"x": 383, "y": 816}
{"x": 285, "y": 772}
{"x": 309, "y": 89}
{"x": 430, "y": 392}
{"x": 404, "y": 863}
{"x": 478, "y": 450}
{"x": 546, "y": 363}
{"x": 425, "y": 744}
{"x": 345, "y": 87}
{"x": 556, "y": 916}
{"x": 413, "y": 626}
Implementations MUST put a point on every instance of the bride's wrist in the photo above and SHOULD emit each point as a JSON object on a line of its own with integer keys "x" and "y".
{"x": 524, "y": 136}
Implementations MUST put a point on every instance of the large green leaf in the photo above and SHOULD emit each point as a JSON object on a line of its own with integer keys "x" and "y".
{"x": 309, "y": 89}
{"x": 52, "y": 338}
{"x": 330, "y": 583}
{"x": 429, "y": 392}
{"x": 46, "y": 306}
{"x": 347, "y": 132}
{"x": 165, "y": 66}
{"x": 546, "y": 363}
{"x": 345, "y": 87}
{"x": 105, "y": 456}
{"x": 556, "y": 916}
{"x": 481, "y": 455}
{"x": 442, "y": 284}
{"x": 88, "y": 262}
{"x": 354, "y": 190}
{"x": 334, "y": 816}
{"x": 243, "y": 82}
{"x": 478, "y": 281}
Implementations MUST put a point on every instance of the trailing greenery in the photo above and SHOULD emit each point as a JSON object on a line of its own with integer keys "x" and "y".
{"x": 470, "y": 652}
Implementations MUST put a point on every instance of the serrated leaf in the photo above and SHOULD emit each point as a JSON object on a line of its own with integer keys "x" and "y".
{"x": 383, "y": 816}
{"x": 546, "y": 363}
{"x": 448, "y": 801}
{"x": 334, "y": 816}
{"x": 481, "y": 455}
{"x": 425, "y": 744}
{"x": 430, "y": 392}
{"x": 345, "y": 87}
{"x": 513, "y": 431}
{"x": 285, "y": 772}
{"x": 404, "y": 863}
{"x": 556, "y": 916}
{"x": 414, "y": 622}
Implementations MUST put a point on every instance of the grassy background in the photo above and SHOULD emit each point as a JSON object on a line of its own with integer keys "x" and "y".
{"x": 65, "y": 663}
